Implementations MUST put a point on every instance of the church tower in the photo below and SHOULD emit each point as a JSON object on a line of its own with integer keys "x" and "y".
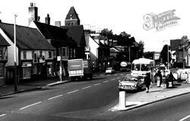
{"x": 72, "y": 18}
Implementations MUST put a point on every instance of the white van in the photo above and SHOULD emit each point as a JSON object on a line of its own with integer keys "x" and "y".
{"x": 141, "y": 66}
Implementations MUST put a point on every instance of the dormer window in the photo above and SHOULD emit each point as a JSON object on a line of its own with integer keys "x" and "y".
{"x": 71, "y": 16}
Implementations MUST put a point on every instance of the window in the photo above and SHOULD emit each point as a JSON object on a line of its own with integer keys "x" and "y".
{"x": 49, "y": 54}
{"x": 40, "y": 53}
{"x": 35, "y": 57}
{"x": 63, "y": 51}
{"x": 24, "y": 55}
{"x": 1, "y": 54}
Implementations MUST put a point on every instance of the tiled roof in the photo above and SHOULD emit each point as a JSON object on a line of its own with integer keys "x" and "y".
{"x": 72, "y": 14}
{"x": 57, "y": 34}
{"x": 27, "y": 38}
{"x": 76, "y": 33}
{"x": 3, "y": 42}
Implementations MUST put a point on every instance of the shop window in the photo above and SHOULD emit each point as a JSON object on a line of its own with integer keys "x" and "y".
{"x": 1, "y": 70}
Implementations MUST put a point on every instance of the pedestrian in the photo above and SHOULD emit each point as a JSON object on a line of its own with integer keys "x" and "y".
{"x": 158, "y": 77}
{"x": 169, "y": 80}
{"x": 147, "y": 82}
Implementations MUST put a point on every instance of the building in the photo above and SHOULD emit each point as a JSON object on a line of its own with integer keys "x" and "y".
{"x": 33, "y": 13}
{"x": 91, "y": 49}
{"x": 72, "y": 18}
{"x": 34, "y": 55}
{"x": 68, "y": 40}
{"x": 181, "y": 50}
{"x": 3, "y": 59}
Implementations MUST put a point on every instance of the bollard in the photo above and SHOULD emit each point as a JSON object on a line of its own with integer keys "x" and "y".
{"x": 122, "y": 99}
{"x": 170, "y": 84}
{"x": 158, "y": 81}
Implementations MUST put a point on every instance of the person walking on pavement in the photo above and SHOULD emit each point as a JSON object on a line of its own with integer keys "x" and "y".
{"x": 158, "y": 77}
{"x": 147, "y": 82}
{"x": 169, "y": 80}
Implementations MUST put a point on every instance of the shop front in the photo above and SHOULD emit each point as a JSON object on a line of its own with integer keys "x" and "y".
{"x": 26, "y": 68}
{"x": 2, "y": 73}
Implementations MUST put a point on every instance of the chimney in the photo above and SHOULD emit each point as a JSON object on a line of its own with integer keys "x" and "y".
{"x": 58, "y": 23}
{"x": 47, "y": 19}
{"x": 33, "y": 13}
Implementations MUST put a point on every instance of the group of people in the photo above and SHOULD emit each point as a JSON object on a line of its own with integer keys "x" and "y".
{"x": 159, "y": 80}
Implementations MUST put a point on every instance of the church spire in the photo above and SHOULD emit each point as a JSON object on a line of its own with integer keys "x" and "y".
{"x": 72, "y": 18}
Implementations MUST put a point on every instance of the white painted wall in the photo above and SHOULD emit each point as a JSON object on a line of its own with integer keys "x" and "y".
{"x": 10, "y": 50}
{"x": 93, "y": 47}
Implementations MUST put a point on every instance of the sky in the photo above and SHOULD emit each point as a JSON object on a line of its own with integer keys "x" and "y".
{"x": 116, "y": 15}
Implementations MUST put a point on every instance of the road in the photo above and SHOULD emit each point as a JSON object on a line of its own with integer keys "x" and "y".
{"x": 83, "y": 100}
{"x": 87, "y": 101}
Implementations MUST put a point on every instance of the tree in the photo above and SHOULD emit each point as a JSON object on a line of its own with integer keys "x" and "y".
{"x": 164, "y": 55}
{"x": 140, "y": 48}
{"x": 107, "y": 33}
{"x": 149, "y": 55}
{"x": 125, "y": 39}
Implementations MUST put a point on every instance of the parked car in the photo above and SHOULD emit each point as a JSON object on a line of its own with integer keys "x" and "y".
{"x": 109, "y": 70}
{"x": 131, "y": 83}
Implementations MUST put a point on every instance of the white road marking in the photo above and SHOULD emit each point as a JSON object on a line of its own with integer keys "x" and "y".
{"x": 3, "y": 115}
{"x": 183, "y": 119}
{"x": 54, "y": 97}
{"x": 30, "y": 105}
{"x": 97, "y": 84}
{"x": 73, "y": 91}
{"x": 86, "y": 87}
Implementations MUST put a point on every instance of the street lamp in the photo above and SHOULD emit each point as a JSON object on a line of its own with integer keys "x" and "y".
{"x": 15, "y": 61}
{"x": 167, "y": 54}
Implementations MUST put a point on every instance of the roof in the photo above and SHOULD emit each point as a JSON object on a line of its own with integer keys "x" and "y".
{"x": 3, "y": 42}
{"x": 27, "y": 38}
{"x": 76, "y": 33}
{"x": 57, "y": 34}
{"x": 72, "y": 14}
{"x": 143, "y": 61}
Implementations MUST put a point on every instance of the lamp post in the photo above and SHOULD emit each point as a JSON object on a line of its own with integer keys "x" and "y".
{"x": 15, "y": 61}
{"x": 168, "y": 59}
{"x": 168, "y": 56}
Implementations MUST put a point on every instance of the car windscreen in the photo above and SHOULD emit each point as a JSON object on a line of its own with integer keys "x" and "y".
{"x": 129, "y": 78}
{"x": 141, "y": 67}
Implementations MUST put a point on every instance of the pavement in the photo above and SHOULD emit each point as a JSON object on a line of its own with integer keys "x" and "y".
{"x": 33, "y": 85}
{"x": 9, "y": 89}
{"x": 155, "y": 94}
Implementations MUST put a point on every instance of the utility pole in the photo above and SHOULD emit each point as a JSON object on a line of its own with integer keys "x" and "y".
{"x": 168, "y": 56}
{"x": 129, "y": 53}
{"x": 61, "y": 66}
